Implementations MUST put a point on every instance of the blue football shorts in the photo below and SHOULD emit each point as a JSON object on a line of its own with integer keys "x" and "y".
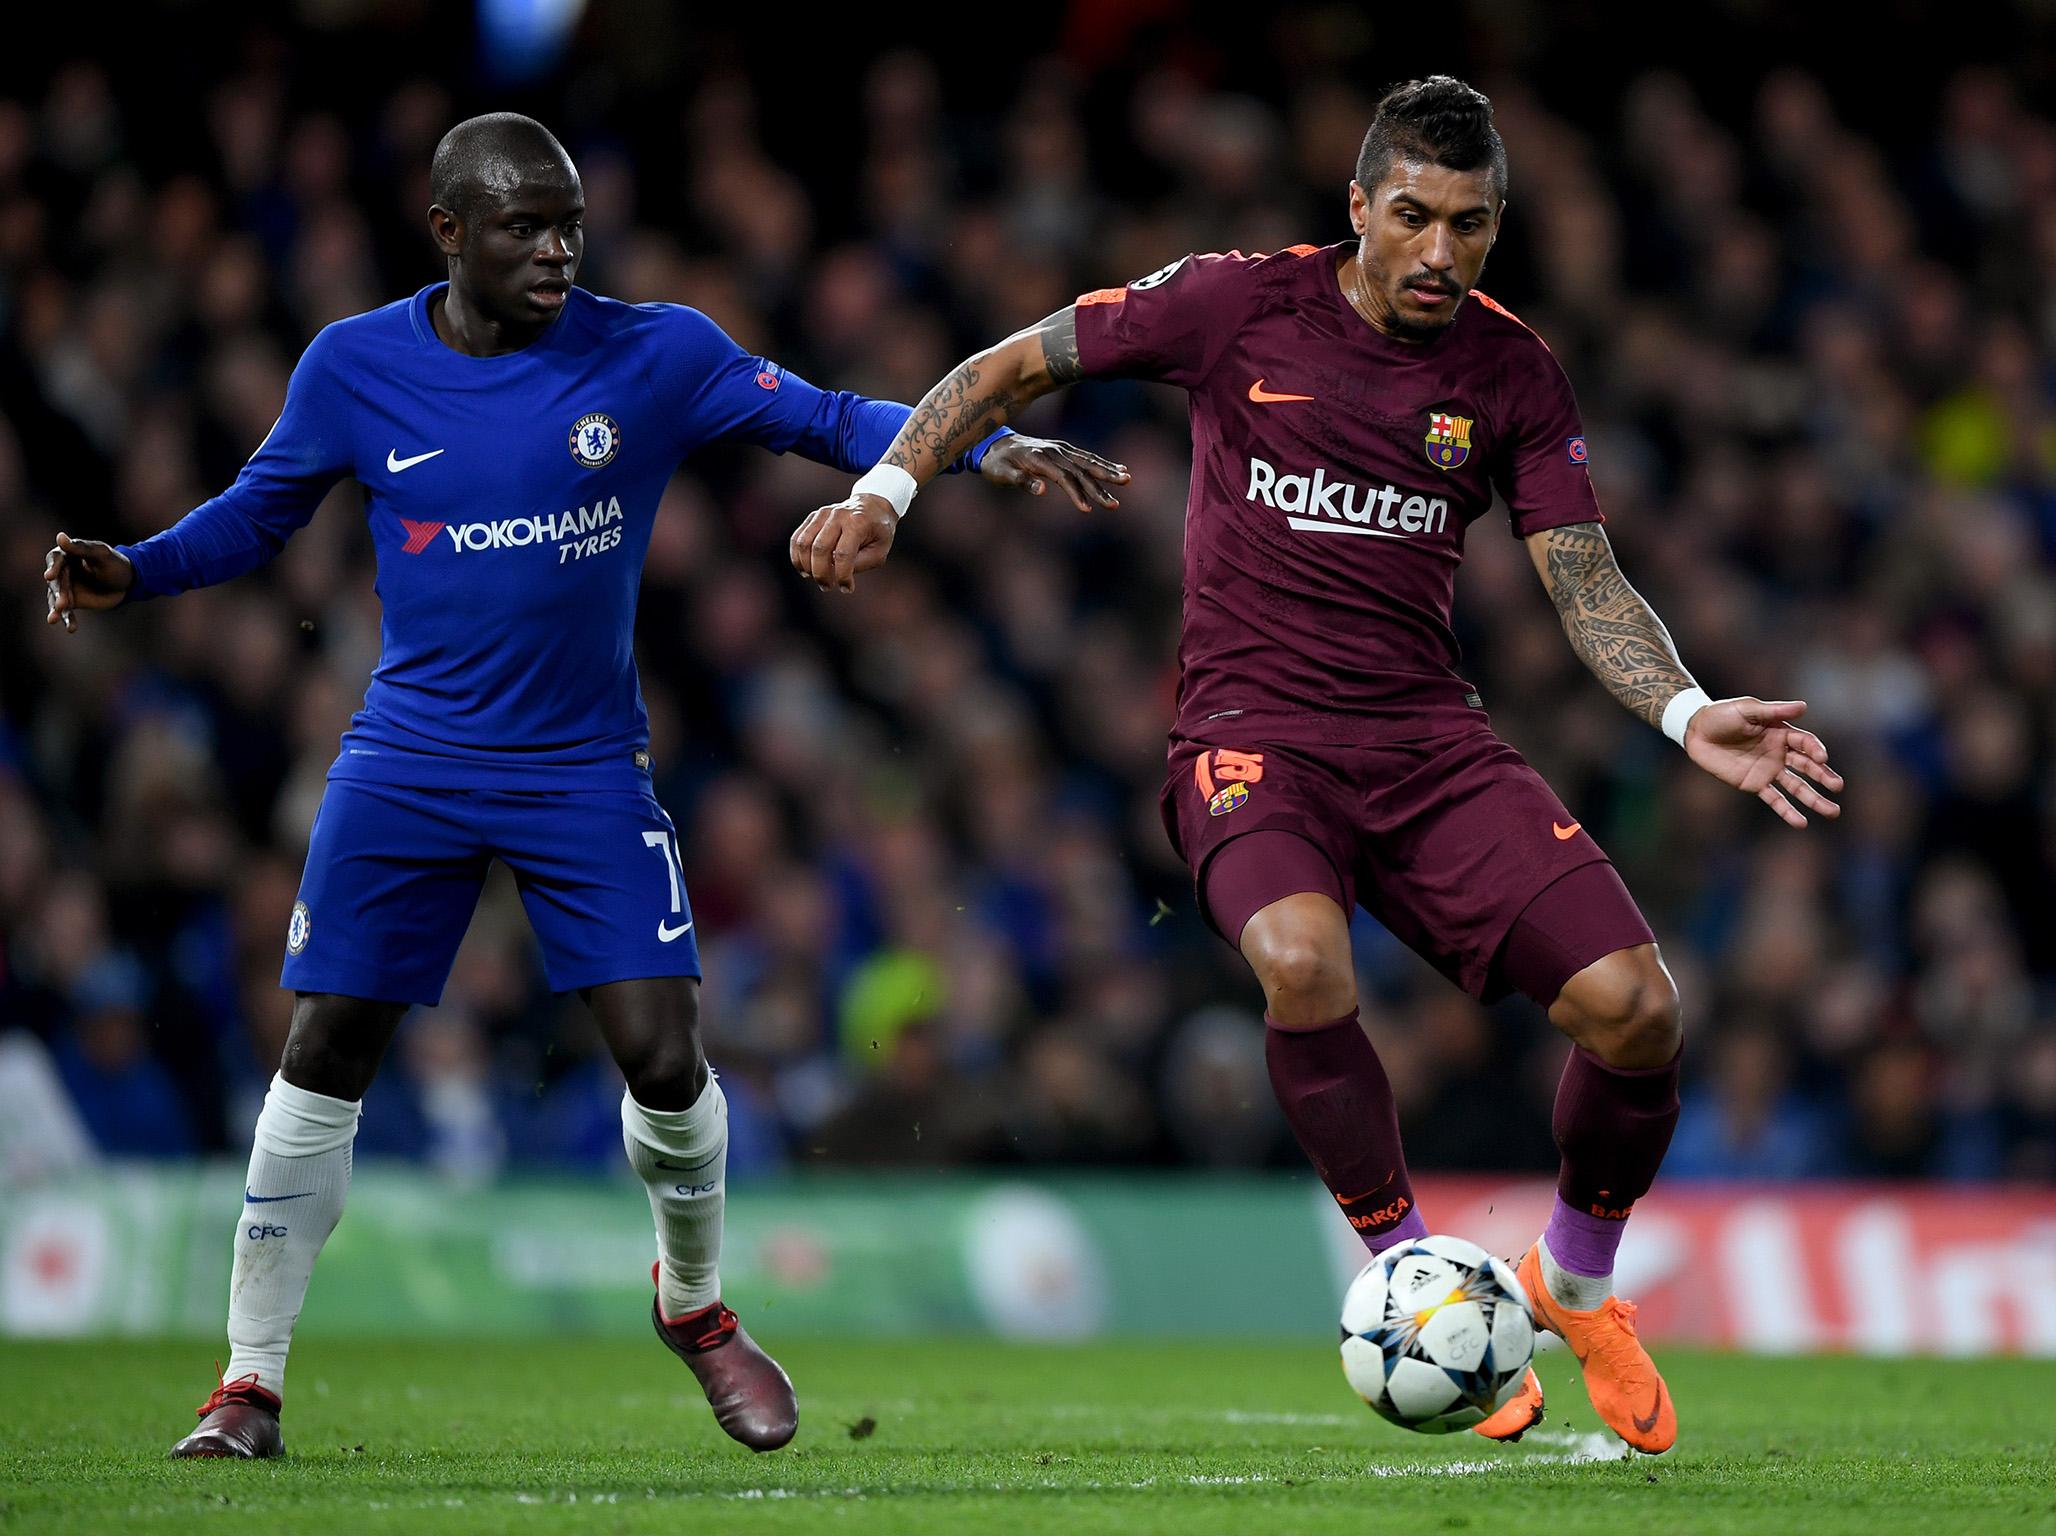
{"x": 393, "y": 875}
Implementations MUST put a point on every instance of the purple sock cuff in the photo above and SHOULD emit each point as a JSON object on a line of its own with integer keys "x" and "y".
{"x": 1581, "y": 1243}
{"x": 1410, "y": 1227}
{"x": 1315, "y": 1031}
{"x": 1676, "y": 1061}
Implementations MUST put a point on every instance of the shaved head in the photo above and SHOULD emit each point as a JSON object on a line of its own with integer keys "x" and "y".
{"x": 487, "y": 159}
{"x": 508, "y": 216}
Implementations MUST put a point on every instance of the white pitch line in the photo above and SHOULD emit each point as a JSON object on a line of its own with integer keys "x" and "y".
{"x": 1584, "y": 1450}
{"x": 1199, "y": 1415}
{"x": 1465, "y": 1468}
{"x": 1317, "y": 1420}
{"x": 1571, "y": 1448}
{"x": 1592, "y": 1445}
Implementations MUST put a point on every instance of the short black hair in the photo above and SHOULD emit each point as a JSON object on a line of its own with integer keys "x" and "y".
{"x": 485, "y": 155}
{"x": 1440, "y": 120}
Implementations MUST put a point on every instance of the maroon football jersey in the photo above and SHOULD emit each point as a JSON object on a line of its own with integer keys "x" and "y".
{"x": 1334, "y": 471}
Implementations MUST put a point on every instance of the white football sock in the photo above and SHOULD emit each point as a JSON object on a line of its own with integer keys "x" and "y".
{"x": 292, "y": 1199}
{"x": 682, "y": 1157}
{"x": 1581, "y": 1293}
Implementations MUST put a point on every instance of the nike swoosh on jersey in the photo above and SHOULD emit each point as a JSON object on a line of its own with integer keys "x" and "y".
{"x": 1565, "y": 834}
{"x": 666, "y": 933}
{"x": 395, "y": 463}
{"x": 250, "y": 1199}
{"x": 1263, "y": 396}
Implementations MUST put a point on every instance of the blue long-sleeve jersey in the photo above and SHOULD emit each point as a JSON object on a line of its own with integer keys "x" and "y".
{"x": 511, "y": 500}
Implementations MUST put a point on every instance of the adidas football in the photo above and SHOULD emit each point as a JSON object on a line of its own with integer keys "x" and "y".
{"x": 1436, "y": 1334}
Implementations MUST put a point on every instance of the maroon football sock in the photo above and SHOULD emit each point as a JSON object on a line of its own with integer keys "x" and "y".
{"x": 1613, "y": 1126}
{"x": 1339, "y": 1104}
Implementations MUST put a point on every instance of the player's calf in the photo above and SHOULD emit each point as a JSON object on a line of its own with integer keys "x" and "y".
{"x": 1325, "y": 1074}
{"x": 293, "y": 1195}
{"x": 1614, "y": 1116}
{"x": 682, "y": 1158}
{"x": 1616, "y": 1107}
{"x": 1339, "y": 1104}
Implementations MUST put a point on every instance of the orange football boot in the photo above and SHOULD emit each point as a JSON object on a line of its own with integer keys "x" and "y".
{"x": 1519, "y": 1414}
{"x": 1620, "y": 1378}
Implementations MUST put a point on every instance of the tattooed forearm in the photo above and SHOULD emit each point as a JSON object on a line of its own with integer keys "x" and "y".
{"x": 985, "y": 392}
{"x": 1612, "y": 629}
{"x": 952, "y": 417}
{"x": 1059, "y": 335}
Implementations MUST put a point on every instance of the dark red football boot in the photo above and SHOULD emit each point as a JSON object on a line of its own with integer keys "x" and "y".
{"x": 752, "y": 1398}
{"x": 239, "y": 1419}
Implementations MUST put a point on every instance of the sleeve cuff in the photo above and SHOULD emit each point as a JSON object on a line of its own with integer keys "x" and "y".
{"x": 974, "y": 461}
{"x": 1562, "y": 517}
{"x": 140, "y": 591}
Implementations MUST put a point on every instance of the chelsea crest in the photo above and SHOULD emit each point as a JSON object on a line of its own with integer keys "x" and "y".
{"x": 595, "y": 439}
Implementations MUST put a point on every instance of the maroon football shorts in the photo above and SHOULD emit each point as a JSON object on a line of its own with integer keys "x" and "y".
{"x": 1449, "y": 843}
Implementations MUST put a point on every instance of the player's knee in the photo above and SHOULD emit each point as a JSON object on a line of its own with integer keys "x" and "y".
{"x": 335, "y": 1044}
{"x": 1653, "y": 1027}
{"x": 1624, "y": 1010}
{"x": 664, "y": 1065}
{"x": 669, "y": 1078}
{"x": 1305, "y": 982}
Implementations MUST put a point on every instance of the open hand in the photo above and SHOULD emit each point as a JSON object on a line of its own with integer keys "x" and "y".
{"x": 1033, "y": 463}
{"x": 84, "y": 574}
{"x": 1752, "y": 744}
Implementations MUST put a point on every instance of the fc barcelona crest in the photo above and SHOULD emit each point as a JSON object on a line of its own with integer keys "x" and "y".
{"x": 1227, "y": 798}
{"x": 1449, "y": 439}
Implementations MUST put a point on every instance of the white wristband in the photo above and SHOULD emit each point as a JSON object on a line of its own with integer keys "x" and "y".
{"x": 891, "y": 482}
{"x": 1677, "y": 715}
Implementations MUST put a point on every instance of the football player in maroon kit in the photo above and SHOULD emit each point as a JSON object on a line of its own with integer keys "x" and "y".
{"x": 1354, "y": 409}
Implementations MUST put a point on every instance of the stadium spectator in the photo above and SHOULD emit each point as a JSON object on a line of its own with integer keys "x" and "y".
{"x": 1815, "y": 357}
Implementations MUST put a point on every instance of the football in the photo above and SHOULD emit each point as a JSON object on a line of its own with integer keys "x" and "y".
{"x": 1436, "y": 1334}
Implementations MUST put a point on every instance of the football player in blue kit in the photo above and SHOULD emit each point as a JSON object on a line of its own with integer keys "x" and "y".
{"x": 513, "y": 435}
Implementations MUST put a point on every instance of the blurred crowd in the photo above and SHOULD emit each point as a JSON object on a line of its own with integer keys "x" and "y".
{"x": 940, "y": 921}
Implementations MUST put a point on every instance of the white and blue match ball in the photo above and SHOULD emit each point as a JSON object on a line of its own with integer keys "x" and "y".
{"x": 1436, "y": 1334}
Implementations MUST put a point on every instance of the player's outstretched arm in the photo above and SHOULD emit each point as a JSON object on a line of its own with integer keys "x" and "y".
{"x": 980, "y": 395}
{"x": 84, "y": 575}
{"x": 1747, "y": 742}
{"x": 306, "y": 451}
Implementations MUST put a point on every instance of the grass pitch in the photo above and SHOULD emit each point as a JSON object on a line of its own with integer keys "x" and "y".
{"x": 953, "y": 1436}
